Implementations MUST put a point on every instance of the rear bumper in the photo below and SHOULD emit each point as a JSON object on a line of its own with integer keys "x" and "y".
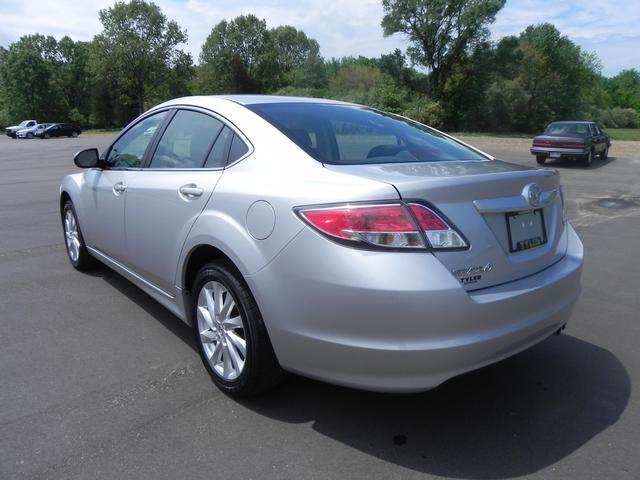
{"x": 401, "y": 322}
{"x": 550, "y": 152}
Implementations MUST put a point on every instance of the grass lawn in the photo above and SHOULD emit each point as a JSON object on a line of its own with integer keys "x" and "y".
{"x": 624, "y": 133}
{"x": 490, "y": 134}
{"x": 627, "y": 134}
{"x": 100, "y": 131}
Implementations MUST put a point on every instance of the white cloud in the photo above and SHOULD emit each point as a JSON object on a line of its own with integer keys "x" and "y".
{"x": 344, "y": 27}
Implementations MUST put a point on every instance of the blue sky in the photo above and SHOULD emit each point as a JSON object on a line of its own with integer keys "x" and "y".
{"x": 610, "y": 28}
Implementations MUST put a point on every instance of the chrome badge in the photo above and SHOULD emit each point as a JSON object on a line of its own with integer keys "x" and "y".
{"x": 472, "y": 274}
{"x": 533, "y": 194}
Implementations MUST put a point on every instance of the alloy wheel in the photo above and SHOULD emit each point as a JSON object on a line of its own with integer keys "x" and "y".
{"x": 221, "y": 330}
{"x": 71, "y": 235}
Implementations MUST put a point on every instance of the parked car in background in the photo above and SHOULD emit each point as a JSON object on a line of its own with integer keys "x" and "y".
{"x": 59, "y": 130}
{"x": 573, "y": 140}
{"x": 327, "y": 239}
{"x": 12, "y": 131}
{"x": 31, "y": 131}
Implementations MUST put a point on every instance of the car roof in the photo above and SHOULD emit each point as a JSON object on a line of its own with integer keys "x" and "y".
{"x": 572, "y": 121}
{"x": 257, "y": 99}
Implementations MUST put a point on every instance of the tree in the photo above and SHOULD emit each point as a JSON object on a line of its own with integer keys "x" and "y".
{"x": 439, "y": 31}
{"x": 295, "y": 57}
{"x": 232, "y": 55}
{"x": 30, "y": 79}
{"x": 554, "y": 73}
{"x": 624, "y": 89}
{"x": 137, "y": 49}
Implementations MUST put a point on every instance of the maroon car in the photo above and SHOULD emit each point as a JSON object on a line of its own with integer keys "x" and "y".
{"x": 573, "y": 140}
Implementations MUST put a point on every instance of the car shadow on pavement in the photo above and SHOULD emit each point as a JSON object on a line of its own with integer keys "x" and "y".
{"x": 510, "y": 419}
{"x": 596, "y": 163}
{"x": 148, "y": 304}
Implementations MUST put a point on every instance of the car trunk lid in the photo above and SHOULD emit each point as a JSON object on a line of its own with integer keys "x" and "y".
{"x": 558, "y": 142}
{"x": 476, "y": 197}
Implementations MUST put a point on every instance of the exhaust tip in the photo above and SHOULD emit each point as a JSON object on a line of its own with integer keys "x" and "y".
{"x": 559, "y": 331}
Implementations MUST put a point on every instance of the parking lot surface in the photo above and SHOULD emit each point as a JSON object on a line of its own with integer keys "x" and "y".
{"x": 99, "y": 381}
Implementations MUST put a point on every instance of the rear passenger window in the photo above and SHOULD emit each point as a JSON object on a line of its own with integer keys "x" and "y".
{"x": 238, "y": 149}
{"x": 186, "y": 141}
{"x": 218, "y": 155}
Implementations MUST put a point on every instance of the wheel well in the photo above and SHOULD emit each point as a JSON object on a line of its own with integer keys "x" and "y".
{"x": 64, "y": 198}
{"x": 200, "y": 256}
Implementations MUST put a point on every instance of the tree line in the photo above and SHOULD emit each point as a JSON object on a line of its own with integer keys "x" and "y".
{"x": 452, "y": 75}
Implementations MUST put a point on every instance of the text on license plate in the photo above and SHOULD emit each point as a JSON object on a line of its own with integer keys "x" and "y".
{"x": 526, "y": 230}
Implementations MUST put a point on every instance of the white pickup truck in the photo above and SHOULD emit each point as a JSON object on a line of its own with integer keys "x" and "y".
{"x": 12, "y": 131}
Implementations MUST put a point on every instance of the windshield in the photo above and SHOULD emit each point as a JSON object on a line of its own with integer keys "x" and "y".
{"x": 352, "y": 135}
{"x": 567, "y": 129}
{"x": 24, "y": 124}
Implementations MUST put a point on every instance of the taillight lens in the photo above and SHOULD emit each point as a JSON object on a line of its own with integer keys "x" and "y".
{"x": 388, "y": 225}
{"x": 438, "y": 232}
{"x": 395, "y": 225}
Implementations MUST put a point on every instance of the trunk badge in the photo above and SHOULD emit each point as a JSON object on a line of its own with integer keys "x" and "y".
{"x": 472, "y": 274}
{"x": 533, "y": 194}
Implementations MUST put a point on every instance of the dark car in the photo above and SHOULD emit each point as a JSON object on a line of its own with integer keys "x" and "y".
{"x": 60, "y": 130}
{"x": 573, "y": 140}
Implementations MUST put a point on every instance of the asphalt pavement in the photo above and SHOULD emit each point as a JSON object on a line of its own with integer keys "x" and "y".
{"x": 97, "y": 381}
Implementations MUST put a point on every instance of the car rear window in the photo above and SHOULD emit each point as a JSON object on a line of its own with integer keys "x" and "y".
{"x": 567, "y": 129}
{"x": 353, "y": 135}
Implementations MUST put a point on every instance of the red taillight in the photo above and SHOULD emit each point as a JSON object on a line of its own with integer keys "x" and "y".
{"x": 427, "y": 219}
{"x": 342, "y": 222}
{"x": 438, "y": 232}
{"x": 389, "y": 225}
{"x": 384, "y": 225}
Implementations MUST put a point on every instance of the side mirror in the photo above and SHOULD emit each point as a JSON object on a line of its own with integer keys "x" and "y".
{"x": 87, "y": 158}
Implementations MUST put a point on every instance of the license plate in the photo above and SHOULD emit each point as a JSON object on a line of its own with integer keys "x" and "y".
{"x": 555, "y": 154}
{"x": 526, "y": 230}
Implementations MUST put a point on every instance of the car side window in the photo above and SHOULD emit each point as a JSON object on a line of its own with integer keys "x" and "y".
{"x": 187, "y": 140}
{"x": 128, "y": 150}
{"x": 238, "y": 149}
{"x": 218, "y": 156}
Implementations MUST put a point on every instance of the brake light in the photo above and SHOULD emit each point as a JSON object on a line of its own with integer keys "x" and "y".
{"x": 395, "y": 225}
{"x": 438, "y": 232}
{"x": 388, "y": 225}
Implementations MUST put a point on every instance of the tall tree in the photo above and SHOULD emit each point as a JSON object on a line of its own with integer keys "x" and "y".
{"x": 30, "y": 79}
{"x": 440, "y": 31}
{"x": 137, "y": 49}
{"x": 232, "y": 55}
{"x": 554, "y": 73}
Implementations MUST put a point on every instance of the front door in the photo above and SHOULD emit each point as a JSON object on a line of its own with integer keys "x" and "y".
{"x": 105, "y": 191}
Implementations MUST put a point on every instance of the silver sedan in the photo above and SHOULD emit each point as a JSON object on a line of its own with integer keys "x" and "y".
{"x": 326, "y": 239}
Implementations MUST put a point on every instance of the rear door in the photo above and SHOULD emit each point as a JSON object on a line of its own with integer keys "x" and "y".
{"x": 165, "y": 198}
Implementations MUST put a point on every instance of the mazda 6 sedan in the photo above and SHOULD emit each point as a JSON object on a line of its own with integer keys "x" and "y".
{"x": 327, "y": 239}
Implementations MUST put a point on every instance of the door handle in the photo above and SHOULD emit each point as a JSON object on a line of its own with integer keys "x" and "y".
{"x": 119, "y": 188}
{"x": 191, "y": 190}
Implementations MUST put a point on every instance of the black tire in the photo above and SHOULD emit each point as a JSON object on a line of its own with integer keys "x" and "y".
{"x": 84, "y": 261}
{"x": 605, "y": 153}
{"x": 541, "y": 159}
{"x": 46, "y": 135}
{"x": 588, "y": 159}
{"x": 29, "y": 135}
{"x": 261, "y": 370}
